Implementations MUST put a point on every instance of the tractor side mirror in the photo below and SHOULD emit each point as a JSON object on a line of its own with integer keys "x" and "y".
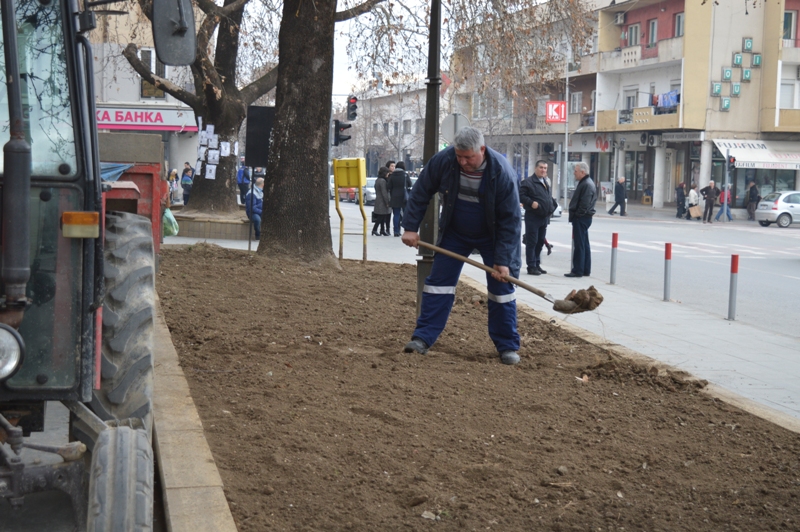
{"x": 174, "y": 32}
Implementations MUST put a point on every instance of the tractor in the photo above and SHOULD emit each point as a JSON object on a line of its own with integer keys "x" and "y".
{"x": 76, "y": 281}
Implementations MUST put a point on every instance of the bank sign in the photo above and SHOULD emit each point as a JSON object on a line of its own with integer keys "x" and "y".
{"x": 145, "y": 119}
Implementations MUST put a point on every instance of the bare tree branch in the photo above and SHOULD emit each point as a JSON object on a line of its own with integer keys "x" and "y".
{"x": 357, "y": 10}
{"x": 131, "y": 53}
{"x": 261, "y": 86}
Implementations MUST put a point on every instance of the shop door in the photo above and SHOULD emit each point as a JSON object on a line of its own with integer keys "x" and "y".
{"x": 634, "y": 174}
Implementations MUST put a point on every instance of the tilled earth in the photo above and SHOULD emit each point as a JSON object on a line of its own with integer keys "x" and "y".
{"x": 318, "y": 421}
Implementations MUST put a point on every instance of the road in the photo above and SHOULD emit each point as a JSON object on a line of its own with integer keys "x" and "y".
{"x": 769, "y": 262}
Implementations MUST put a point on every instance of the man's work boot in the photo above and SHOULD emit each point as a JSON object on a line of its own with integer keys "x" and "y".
{"x": 509, "y": 357}
{"x": 416, "y": 345}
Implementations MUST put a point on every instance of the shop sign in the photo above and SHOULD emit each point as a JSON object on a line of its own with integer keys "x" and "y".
{"x": 556, "y": 112}
{"x": 683, "y": 136}
{"x": 145, "y": 119}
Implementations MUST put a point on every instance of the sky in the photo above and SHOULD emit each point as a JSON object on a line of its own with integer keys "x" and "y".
{"x": 342, "y": 78}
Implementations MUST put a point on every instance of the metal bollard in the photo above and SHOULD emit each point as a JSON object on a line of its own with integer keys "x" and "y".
{"x": 667, "y": 269}
{"x": 614, "y": 244}
{"x": 732, "y": 292}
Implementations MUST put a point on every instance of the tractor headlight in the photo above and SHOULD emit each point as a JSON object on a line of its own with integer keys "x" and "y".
{"x": 12, "y": 349}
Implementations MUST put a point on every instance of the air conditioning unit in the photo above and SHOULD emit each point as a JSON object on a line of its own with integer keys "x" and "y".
{"x": 654, "y": 141}
{"x": 643, "y": 138}
{"x": 619, "y": 18}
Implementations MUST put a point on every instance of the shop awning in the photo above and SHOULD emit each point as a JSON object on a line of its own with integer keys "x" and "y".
{"x": 769, "y": 154}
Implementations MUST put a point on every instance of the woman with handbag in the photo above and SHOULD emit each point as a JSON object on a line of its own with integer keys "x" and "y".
{"x": 694, "y": 201}
{"x": 382, "y": 210}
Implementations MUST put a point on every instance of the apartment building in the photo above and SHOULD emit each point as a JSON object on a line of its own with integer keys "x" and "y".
{"x": 125, "y": 102}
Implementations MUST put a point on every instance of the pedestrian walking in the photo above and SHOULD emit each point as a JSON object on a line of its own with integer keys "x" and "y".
{"x": 754, "y": 198}
{"x": 693, "y": 200}
{"x": 382, "y": 211}
{"x": 620, "y": 197}
{"x": 254, "y": 205}
{"x": 725, "y": 201}
{"x": 680, "y": 199}
{"x": 581, "y": 210}
{"x": 539, "y": 205}
{"x": 187, "y": 178}
{"x": 480, "y": 210}
{"x": 710, "y": 195}
{"x": 398, "y": 186}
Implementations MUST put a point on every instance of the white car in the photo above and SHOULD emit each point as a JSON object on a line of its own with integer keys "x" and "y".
{"x": 369, "y": 191}
{"x": 781, "y": 208}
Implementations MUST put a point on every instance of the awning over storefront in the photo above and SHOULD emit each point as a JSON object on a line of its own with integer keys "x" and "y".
{"x": 769, "y": 154}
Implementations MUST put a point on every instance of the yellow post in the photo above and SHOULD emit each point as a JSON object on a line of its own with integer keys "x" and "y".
{"x": 350, "y": 173}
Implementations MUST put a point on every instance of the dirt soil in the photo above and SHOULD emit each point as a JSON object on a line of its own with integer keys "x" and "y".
{"x": 318, "y": 421}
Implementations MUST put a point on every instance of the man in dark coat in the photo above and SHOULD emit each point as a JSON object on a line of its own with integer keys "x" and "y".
{"x": 753, "y": 198}
{"x": 539, "y": 205}
{"x": 710, "y": 194}
{"x": 680, "y": 200}
{"x": 620, "y": 195}
{"x": 581, "y": 210}
{"x": 480, "y": 210}
{"x": 398, "y": 186}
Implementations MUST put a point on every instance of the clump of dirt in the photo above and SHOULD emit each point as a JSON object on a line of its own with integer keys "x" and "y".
{"x": 318, "y": 421}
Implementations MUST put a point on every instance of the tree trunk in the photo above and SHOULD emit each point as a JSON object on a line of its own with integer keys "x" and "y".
{"x": 295, "y": 216}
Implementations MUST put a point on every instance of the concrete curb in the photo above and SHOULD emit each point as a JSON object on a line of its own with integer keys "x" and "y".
{"x": 194, "y": 500}
{"x": 757, "y": 409}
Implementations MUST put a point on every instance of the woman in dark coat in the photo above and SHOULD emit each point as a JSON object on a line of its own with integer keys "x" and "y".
{"x": 399, "y": 183}
{"x": 382, "y": 211}
{"x": 680, "y": 200}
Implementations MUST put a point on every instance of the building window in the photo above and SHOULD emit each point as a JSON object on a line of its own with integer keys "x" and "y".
{"x": 629, "y": 97}
{"x": 406, "y": 127}
{"x": 594, "y": 97}
{"x": 375, "y": 127}
{"x": 675, "y": 85}
{"x": 789, "y": 27}
{"x": 575, "y": 102}
{"x": 633, "y": 35}
{"x": 148, "y": 57}
{"x": 652, "y": 33}
{"x": 787, "y": 95}
{"x": 396, "y": 128}
{"x": 386, "y": 128}
{"x": 420, "y": 126}
{"x": 478, "y": 106}
{"x": 679, "y": 18}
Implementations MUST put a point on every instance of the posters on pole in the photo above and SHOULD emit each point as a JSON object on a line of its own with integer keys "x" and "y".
{"x": 213, "y": 142}
{"x": 211, "y": 171}
{"x": 198, "y": 167}
{"x": 224, "y": 149}
{"x": 213, "y": 156}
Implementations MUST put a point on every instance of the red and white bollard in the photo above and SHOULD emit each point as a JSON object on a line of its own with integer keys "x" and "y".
{"x": 732, "y": 292}
{"x": 667, "y": 269}
{"x": 614, "y": 245}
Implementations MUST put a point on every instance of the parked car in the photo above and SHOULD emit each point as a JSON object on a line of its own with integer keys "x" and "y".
{"x": 331, "y": 188}
{"x": 781, "y": 208}
{"x": 347, "y": 194}
{"x": 369, "y": 191}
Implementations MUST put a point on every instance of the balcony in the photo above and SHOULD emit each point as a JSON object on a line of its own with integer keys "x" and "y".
{"x": 789, "y": 120}
{"x": 663, "y": 51}
{"x": 790, "y": 51}
{"x": 637, "y": 119}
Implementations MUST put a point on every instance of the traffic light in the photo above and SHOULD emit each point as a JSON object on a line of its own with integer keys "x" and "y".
{"x": 338, "y": 127}
{"x": 732, "y": 160}
{"x": 352, "y": 107}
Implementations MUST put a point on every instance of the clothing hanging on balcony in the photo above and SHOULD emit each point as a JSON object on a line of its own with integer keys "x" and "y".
{"x": 669, "y": 99}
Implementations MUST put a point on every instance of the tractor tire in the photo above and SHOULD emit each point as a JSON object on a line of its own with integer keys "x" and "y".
{"x": 121, "y": 482}
{"x": 126, "y": 389}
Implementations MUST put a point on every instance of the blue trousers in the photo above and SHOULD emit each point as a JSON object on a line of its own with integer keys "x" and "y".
{"x": 398, "y": 217}
{"x": 582, "y": 253}
{"x": 257, "y": 224}
{"x": 439, "y": 293}
{"x": 726, "y": 209}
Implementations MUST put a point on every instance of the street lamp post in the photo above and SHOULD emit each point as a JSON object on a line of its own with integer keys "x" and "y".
{"x": 564, "y": 165}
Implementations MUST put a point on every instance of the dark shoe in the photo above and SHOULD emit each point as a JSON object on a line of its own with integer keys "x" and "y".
{"x": 397, "y": 234}
{"x": 549, "y": 248}
{"x": 570, "y": 274}
{"x": 384, "y": 233}
{"x": 534, "y": 271}
{"x": 611, "y": 213}
{"x": 375, "y": 234}
{"x": 623, "y": 214}
{"x": 509, "y": 357}
{"x": 416, "y": 345}
{"x": 540, "y": 269}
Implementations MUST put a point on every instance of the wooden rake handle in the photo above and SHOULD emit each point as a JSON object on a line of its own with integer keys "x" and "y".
{"x": 512, "y": 280}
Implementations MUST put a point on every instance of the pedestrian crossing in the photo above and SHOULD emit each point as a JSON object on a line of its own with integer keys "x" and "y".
{"x": 689, "y": 249}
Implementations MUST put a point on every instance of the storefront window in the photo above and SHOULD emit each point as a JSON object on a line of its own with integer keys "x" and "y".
{"x": 766, "y": 180}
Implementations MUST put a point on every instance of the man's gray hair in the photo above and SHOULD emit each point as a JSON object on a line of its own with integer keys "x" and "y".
{"x": 583, "y": 167}
{"x": 469, "y": 138}
{"x": 259, "y": 181}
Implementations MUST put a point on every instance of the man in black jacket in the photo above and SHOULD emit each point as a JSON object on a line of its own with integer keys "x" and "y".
{"x": 710, "y": 194}
{"x": 620, "y": 195}
{"x": 398, "y": 186}
{"x": 581, "y": 210}
{"x": 539, "y": 205}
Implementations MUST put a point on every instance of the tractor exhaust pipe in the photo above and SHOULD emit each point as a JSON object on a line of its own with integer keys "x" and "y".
{"x": 16, "y": 186}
